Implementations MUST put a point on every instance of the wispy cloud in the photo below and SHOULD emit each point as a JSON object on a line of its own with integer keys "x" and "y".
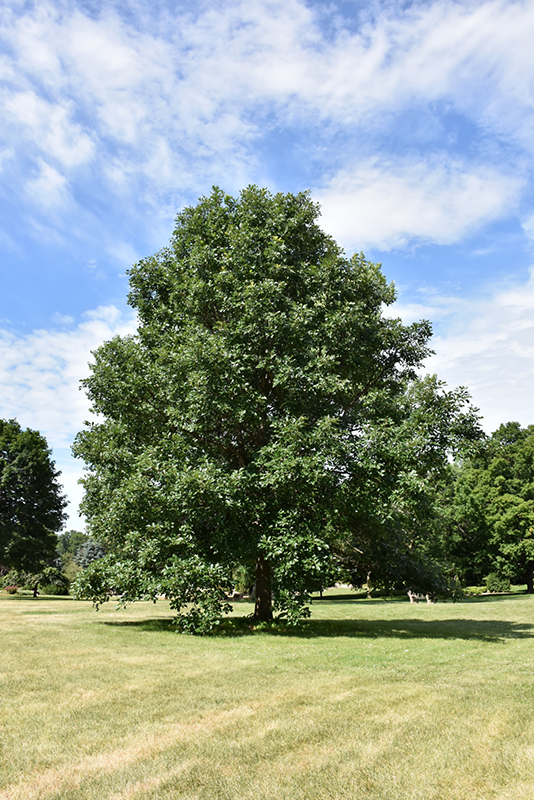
{"x": 388, "y": 204}
{"x": 157, "y": 107}
{"x": 40, "y": 373}
{"x": 40, "y": 377}
{"x": 49, "y": 188}
{"x": 487, "y": 344}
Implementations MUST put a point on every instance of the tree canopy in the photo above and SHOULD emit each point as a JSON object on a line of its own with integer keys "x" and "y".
{"x": 70, "y": 541}
{"x": 31, "y": 499}
{"x": 491, "y": 508}
{"x": 265, "y": 410}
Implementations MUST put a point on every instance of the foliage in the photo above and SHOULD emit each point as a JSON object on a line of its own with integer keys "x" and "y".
{"x": 50, "y": 579}
{"x": 8, "y": 577}
{"x": 491, "y": 517}
{"x": 394, "y": 529}
{"x": 31, "y": 501}
{"x": 69, "y": 542}
{"x": 243, "y": 578}
{"x": 76, "y": 551}
{"x": 497, "y": 583}
{"x": 69, "y": 568}
{"x": 54, "y": 589}
{"x": 265, "y": 410}
{"x": 88, "y": 552}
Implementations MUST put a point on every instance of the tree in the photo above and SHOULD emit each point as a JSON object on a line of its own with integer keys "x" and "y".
{"x": 31, "y": 500}
{"x": 492, "y": 507}
{"x": 240, "y": 422}
{"x": 70, "y": 541}
{"x": 88, "y": 552}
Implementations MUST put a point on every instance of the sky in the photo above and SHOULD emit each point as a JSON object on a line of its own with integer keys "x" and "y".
{"x": 411, "y": 123}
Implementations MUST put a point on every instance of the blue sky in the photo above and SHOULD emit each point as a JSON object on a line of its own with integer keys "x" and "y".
{"x": 412, "y": 123}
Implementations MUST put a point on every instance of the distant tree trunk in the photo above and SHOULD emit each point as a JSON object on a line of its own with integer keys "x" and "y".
{"x": 262, "y": 609}
{"x": 368, "y": 586}
{"x": 530, "y": 577}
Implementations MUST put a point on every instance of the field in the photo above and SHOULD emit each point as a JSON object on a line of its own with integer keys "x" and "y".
{"x": 371, "y": 699}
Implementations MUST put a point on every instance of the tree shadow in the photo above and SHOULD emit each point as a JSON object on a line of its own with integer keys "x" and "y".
{"x": 41, "y": 598}
{"x": 454, "y": 628}
{"x": 155, "y": 625}
{"x": 496, "y": 598}
{"x": 467, "y": 629}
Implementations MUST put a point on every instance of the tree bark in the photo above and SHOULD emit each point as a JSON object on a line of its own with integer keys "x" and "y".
{"x": 530, "y": 577}
{"x": 263, "y": 610}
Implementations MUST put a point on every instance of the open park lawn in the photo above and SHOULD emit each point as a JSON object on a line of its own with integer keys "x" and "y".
{"x": 370, "y": 699}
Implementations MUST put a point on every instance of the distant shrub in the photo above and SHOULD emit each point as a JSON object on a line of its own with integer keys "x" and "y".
{"x": 497, "y": 583}
{"x": 474, "y": 591}
{"x": 53, "y": 588}
{"x": 11, "y": 578}
{"x": 10, "y": 589}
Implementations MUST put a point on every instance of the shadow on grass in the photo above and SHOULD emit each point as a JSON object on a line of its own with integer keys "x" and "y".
{"x": 495, "y": 598}
{"x": 150, "y": 625}
{"x": 468, "y": 629}
{"x": 40, "y": 598}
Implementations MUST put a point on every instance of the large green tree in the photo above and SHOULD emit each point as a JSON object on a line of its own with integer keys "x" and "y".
{"x": 263, "y": 403}
{"x": 31, "y": 499}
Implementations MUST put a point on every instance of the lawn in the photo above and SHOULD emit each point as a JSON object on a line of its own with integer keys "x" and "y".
{"x": 371, "y": 699}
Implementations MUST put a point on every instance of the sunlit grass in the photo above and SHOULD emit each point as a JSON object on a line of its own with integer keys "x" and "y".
{"x": 370, "y": 699}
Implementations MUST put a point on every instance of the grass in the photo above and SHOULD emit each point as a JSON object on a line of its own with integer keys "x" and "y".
{"x": 371, "y": 699}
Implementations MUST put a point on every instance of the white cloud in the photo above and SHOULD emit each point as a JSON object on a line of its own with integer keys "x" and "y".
{"x": 170, "y": 102}
{"x": 5, "y": 155}
{"x": 62, "y": 319}
{"x": 528, "y": 226}
{"x": 49, "y": 125}
{"x": 49, "y": 188}
{"x": 475, "y": 56}
{"x": 93, "y": 269}
{"x": 40, "y": 373}
{"x": 486, "y": 344}
{"x": 40, "y": 376}
{"x": 71, "y": 472}
{"x": 385, "y": 205}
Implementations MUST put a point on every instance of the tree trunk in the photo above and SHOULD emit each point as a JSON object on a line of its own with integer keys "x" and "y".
{"x": 530, "y": 577}
{"x": 263, "y": 610}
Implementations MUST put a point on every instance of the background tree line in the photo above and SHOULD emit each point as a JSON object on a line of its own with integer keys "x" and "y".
{"x": 475, "y": 525}
{"x": 485, "y": 524}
